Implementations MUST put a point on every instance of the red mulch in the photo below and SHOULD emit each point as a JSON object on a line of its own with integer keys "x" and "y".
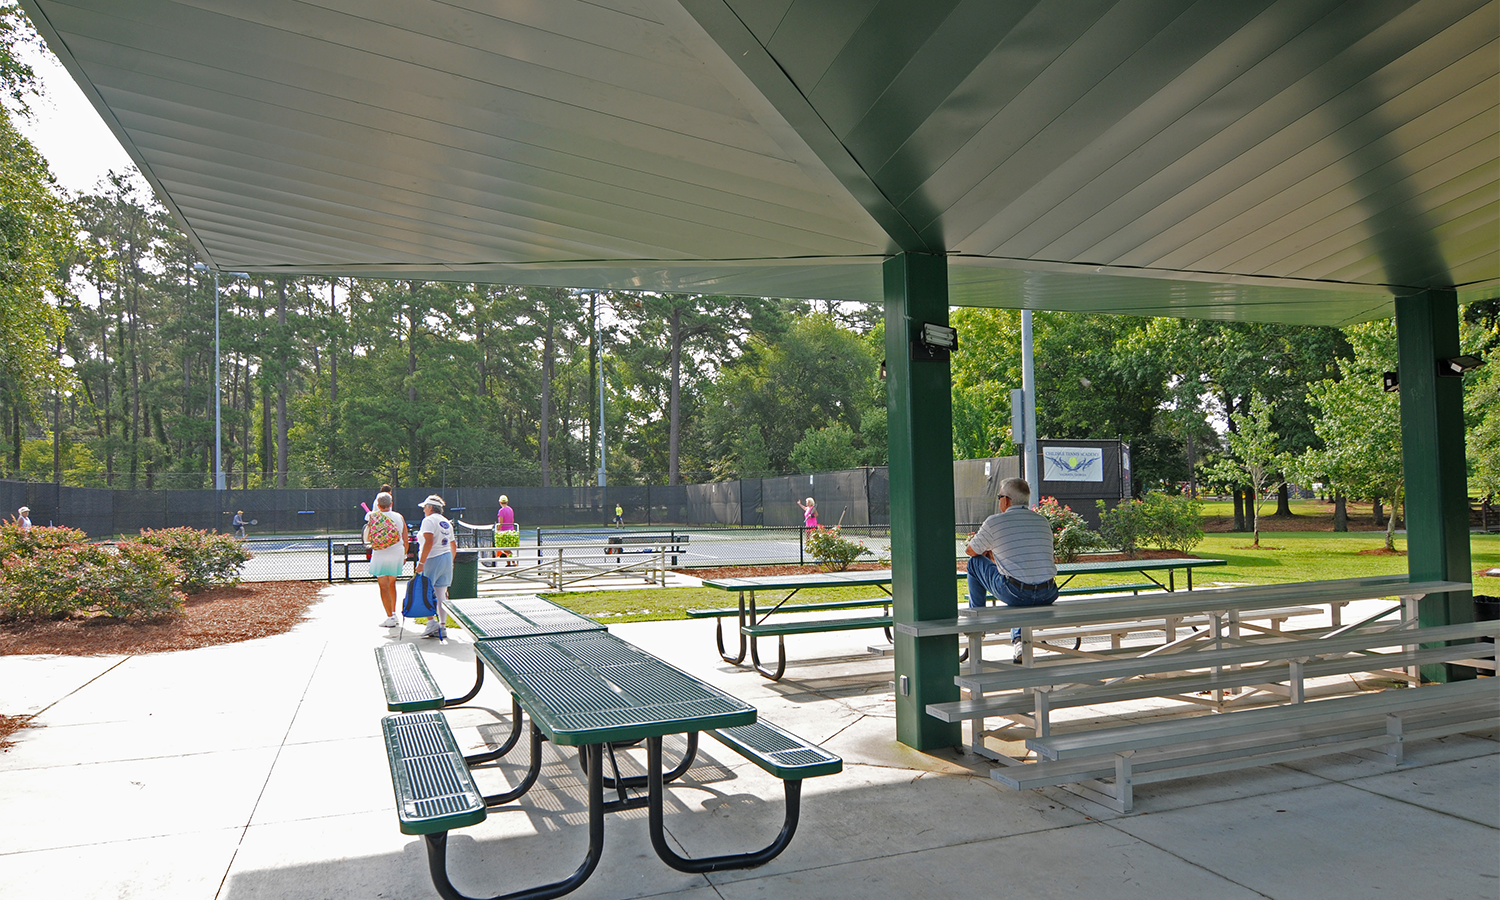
{"x": 9, "y": 725}
{"x": 220, "y": 616}
{"x": 1381, "y": 551}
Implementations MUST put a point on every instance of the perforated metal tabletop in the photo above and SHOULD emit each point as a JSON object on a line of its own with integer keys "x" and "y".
{"x": 588, "y": 688}
{"x": 493, "y": 619}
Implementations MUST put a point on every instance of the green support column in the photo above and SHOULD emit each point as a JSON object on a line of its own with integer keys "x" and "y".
{"x": 921, "y": 466}
{"x": 1432, "y": 453}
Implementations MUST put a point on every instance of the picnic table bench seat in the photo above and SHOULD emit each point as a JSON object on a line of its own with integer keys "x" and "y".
{"x": 1158, "y": 751}
{"x": 408, "y": 684}
{"x": 435, "y": 791}
{"x": 821, "y": 606}
{"x": 1084, "y": 590}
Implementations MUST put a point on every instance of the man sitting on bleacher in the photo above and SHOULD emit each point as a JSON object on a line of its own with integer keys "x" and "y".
{"x": 1011, "y": 555}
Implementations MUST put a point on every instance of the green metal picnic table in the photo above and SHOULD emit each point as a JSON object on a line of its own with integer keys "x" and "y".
{"x": 591, "y": 690}
{"x": 748, "y": 614}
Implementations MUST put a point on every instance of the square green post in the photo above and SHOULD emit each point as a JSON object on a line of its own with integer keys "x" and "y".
{"x": 920, "y": 406}
{"x": 1432, "y": 455}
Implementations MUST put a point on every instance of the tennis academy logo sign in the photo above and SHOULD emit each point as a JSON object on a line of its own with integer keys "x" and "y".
{"x": 1073, "y": 464}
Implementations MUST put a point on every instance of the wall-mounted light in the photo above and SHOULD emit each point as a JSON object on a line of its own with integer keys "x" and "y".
{"x": 935, "y": 342}
{"x": 1458, "y": 365}
{"x": 1391, "y": 382}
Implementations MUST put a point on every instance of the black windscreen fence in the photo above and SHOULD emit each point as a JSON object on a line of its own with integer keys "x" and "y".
{"x": 852, "y": 497}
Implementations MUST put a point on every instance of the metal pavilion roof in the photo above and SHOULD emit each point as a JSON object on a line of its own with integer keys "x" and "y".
{"x": 1297, "y": 161}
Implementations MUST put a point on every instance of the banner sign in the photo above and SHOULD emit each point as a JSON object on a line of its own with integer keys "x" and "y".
{"x": 1073, "y": 464}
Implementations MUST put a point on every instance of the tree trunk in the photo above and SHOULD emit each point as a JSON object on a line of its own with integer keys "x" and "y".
{"x": 265, "y": 435}
{"x": 1239, "y": 509}
{"x": 1390, "y": 526}
{"x": 1283, "y": 500}
{"x": 1192, "y": 461}
{"x": 1379, "y": 512}
{"x": 1340, "y": 512}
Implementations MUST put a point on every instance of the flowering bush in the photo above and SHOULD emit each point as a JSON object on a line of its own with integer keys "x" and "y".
{"x": 833, "y": 551}
{"x": 1070, "y": 534}
{"x": 139, "y": 580}
{"x": 205, "y": 559}
{"x": 53, "y": 573}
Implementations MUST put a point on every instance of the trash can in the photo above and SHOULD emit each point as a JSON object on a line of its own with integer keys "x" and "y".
{"x": 465, "y": 575}
{"x": 1486, "y": 609}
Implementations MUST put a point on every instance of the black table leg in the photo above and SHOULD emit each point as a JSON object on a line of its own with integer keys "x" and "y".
{"x": 437, "y": 849}
{"x": 719, "y": 635}
{"x": 515, "y": 735}
{"x": 657, "y": 794}
{"x": 532, "y": 772}
{"x": 474, "y": 691}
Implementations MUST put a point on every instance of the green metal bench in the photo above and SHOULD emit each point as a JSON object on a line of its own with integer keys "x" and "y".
{"x": 434, "y": 789}
{"x": 780, "y": 630}
{"x": 1109, "y": 589}
{"x": 408, "y": 684}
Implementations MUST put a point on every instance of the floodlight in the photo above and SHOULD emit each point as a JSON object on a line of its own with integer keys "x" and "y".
{"x": 940, "y": 336}
{"x": 1458, "y": 365}
{"x": 1390, "y": 382}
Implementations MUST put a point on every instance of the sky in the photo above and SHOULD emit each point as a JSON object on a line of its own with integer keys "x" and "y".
{"x": 79, "y": 147}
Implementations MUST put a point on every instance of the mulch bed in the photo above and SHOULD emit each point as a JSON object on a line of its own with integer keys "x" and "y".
{"x": 220, "y": 616}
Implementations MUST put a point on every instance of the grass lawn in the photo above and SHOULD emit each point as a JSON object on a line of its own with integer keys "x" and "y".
{"x": 1283, "y": 557}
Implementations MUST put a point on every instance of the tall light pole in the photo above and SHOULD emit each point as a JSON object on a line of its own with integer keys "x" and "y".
{"x": 66, "y": 362}
{"x": 218, "y": 384}
{"x": 601, "y": 402}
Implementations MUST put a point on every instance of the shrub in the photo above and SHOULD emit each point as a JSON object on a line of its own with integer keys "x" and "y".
{"x": 41, "y": 537}
{"x": 833, "y": 551}
{"x": 1162, "y": 521}
{"x": 46, "y": 583}
{"x": 1070, "y": 534}
{"x": 1173, "y": 522}
{"x": 205, "y": 559}
{"x": 1124, "y": 526}
{"x": 52, "y": 573}
{"x": 138, "y": 580}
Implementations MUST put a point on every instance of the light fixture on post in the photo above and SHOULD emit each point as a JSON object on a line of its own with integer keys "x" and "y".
{"x": 58, "y": 394}
{"x": 1390, "y": 382}
{"x": 935, "y": 342}
{"x": 218, "y": 385}
{"x": 1457, "y": 366}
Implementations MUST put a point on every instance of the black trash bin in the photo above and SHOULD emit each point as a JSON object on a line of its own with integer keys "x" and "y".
{"x": 465, "y": 575}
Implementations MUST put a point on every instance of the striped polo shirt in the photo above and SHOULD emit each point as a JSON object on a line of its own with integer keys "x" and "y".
{"x": 1022, "y": 543}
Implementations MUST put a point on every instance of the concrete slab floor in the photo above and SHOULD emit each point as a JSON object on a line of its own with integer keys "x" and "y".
{"x": 255, "y": 770}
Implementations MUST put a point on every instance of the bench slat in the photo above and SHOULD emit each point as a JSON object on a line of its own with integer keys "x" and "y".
{"x": 409, "y": 686}
{"x": 779, "y": 752}
{"x": 434, "y": 789}
{"x": 1109, "y": 589}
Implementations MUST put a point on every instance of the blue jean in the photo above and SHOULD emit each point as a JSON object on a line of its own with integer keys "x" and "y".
{"x": 985, "y": 576}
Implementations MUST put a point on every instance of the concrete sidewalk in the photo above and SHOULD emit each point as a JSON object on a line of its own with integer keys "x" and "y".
{"x": 256, "y": 770}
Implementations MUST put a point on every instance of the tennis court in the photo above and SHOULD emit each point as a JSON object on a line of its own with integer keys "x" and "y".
{"x": 292, "y": 557}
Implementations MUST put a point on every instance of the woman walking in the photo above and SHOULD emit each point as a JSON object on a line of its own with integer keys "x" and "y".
{"x": 435, "y": 560}
{"x": 386, "y": 535}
